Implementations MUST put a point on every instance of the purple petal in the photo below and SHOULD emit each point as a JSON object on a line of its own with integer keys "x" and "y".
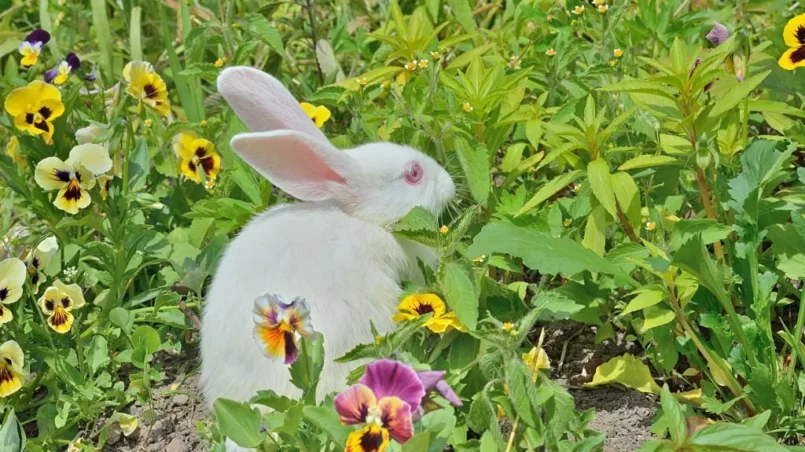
{"x": 73, "y": 61}
{"x": 91, "y": 77}
{"x": 51, "y": 74}
{"x": 447, "y": 392}
{"x": 429, "y": 378}
{"x": 38, "y": 35}
{"x": 718, "y": 34}
{"x": 389, "y": 378}
{"x": 353, "y": 404}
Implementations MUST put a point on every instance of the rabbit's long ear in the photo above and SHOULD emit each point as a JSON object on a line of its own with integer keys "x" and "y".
{"x": 263, "y": 102}
{"x": 304, "y": 167}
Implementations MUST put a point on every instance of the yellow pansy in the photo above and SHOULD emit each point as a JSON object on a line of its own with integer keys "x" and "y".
{"x": 416, "y": 305}
{"x": 31, "y": 47}
{"x": 13, "y": 151}
{"x": 12, "y": 278}
{"x": 58, "y": 303}
{"x": 535, "y": 360}
{"x": 74, "y": 177}
{"x": 318, "y": 114}
{"x": 11, "y": 371}
{"x": 34, "y": 107}
{"x": 196, "y": 155}
{"x": 39, "y": 258}
{"x": 794, "y": 37}
{"x": 147, "y": 87}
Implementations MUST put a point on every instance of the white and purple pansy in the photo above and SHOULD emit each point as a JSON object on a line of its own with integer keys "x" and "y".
{"x": 31, "y": 47}
{"x": 59, "y": 74}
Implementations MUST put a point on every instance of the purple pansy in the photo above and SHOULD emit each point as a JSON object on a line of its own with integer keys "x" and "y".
{"x": 31, "y": 47}
{"x": 718, "y": 34}
{"x": 59, "y": 74}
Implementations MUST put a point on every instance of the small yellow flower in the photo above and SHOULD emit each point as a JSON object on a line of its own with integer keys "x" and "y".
{"x": 386, "y": 84}
{"x": 147, "y": 87}
{"x": 617, "y": 52}
{"x": 413, "y": 306}
{"x": 536, "y": 360}
{"x": 467, "y": 107}
{"x": 12, "y": 279}
{"x": 34, "y": 107}
{"x": 423, "y": 64}
{"x": 514, "y": 62}
{"x": 550, "y": 52}
{"x": 203, "y": 123}
{"x": 576, "y": 187}
{"x": 578, "y": 10}
{"x": 60, "y": 17}
{"x": 378, "y": 339}
{"x": 508, "y": 326}
{"x": 319, "y": 115}
{"x": 599, "y": 2}
{"x": 58, "y": 303}
{"x": 444, "y": 229}
{"x": 361, "y": 81}
{"x": 603, "y": 8}
{"x": 196, "y": 155}
{"x": 411, "y": 65}
{"x": 613, "y": 62}
{"x": 148, "y": 123}
{"x": 480, "y": 259}
{"x": 435, "y": 55}
{"x": 11, "y": 370}
{"x": 650, "y": 226}
{"x": 13, "y": 151}
{"x": 567, "y": 222}
{"x": 220, "y": 62}
{"x": 74, "y": 177}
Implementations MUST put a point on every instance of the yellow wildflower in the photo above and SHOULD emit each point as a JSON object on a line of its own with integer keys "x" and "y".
{"x": 550, "y": 52}
{"x": 444, "y": 229}
{"x": 34, "y": 107}
{"x": 467, "y": 107}
{"x": 567, "y": 222}
{"x": 578, "y": 10}
{"x": 411, "y": 65}
{"x": 220, "y": 62}
{"x": 319, "y": 115}
{"x": 416, "y": 305}
{"x": 423, "y": 64}
{"x": 617, "y": 52}
{"x": 435, "y": 55}
{"x": 196, "y": 155}
{"x": 603, "y": 8}
{"x": 58, "y": 303}
{"x": 147, "y": 87}
{"x": 650, "y": 226}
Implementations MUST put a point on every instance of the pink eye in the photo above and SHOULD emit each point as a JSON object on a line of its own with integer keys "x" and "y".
{"x": 414, "y": 173}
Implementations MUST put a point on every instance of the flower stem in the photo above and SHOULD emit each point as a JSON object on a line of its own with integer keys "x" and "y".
{"x": 708, "y": 207}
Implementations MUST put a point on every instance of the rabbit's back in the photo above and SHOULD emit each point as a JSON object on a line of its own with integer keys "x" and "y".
{"x": 348, "y": 271}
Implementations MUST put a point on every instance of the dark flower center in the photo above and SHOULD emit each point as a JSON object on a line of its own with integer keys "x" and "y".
{"x": 66, "y": 302}
{"x": 3, "y": 293}
{"x": 49, "y": 305}
{"x": 29, "y": 118}
{"x": 73, "y": 192}
{"x": 423, "y": 309}
{"x": 150, "y": 91}
{"x": 62, "y": 176}
{"x": 371, "y": 441}
{"x": 801, "y": 35}
{"x": 799, "y": 54}
{"x": 45, "y": 112}
{"x": 5, "y": 372}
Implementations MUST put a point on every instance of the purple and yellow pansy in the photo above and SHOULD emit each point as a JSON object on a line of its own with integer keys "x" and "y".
{"x": 147, "y": 87}
{"x": 12, "y": 278}
{"x": 31, "y": 47}
{"x": 419, "y": 304}
{"x": 59, "y": 74}
{"x": 34, "y": 107}
{"x": 58, "y": 303}
{"x": 11, "y": 370}
{"x": 382, "y": 402}
{"x": 277, "y": 325}
{"x": 195, "y": 155}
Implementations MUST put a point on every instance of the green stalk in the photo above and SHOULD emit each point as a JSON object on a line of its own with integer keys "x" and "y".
{"x": 796, "y": 336}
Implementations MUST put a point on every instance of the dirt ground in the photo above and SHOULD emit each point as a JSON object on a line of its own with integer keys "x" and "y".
{"x": 624, "y": 415}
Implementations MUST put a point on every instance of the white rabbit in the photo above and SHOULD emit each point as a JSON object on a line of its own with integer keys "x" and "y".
{"x": 335, "y": 250}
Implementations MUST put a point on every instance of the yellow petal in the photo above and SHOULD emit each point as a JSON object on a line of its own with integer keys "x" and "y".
{"x": 93, "y": 157}
{"x": 190, "y": 170}
{"x": 12, "y": 271}
{"x": 19, "y": 101}
{"x": 792, "y": 58}
{"x": 12, "y": 351}
{"x": 791, "y": 33}
{"x": 49, "y": 300}
{"x": 54, "y": 106}
{"x": 73, "y": 291}
{"x": 211, "y": 165}
{"x": 5, "y": 315}
{"x": 45, "y": 251}
{"x": 61, "y": 320}
{"x": 183, "y": 145}
{"x": 52, "y": 174}
{"x": 309, "y": 109}
{"x": 72, "y": 198}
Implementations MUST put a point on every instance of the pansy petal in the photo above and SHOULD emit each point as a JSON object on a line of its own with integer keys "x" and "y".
{"x": 275, "y": 343}
{"x": 718, "y": 34}
{"x": 49, "y": 300}
{"x": 52, "y": 174}
{"x": 183, "y": 145}
{"x": 73, "y": 61}
{"x": 46, "y": 92}
{"x": 18, "y": 100}
{"x": 5, "y": 315}
{"x": 447, "y": 392}
{"x": 389, "y": 378}
{"x": 72, "y": 198}
{"x": 793, "y": 58}
{"x": 301, "y": 319}
{"x": 38, "y": 35}
{"x": 45, "y": 251}
{"x": 368, "y": 439}
{"x": 93, "y": 157}
{"x": 429, "y": 378}
{"x": 73, "y": 291}
{"x": 794, "y": 31}
{"x": 61, "y": 320}
{"x": 266, "y": 311}
{"x": 50, "y": 75}
{"x": 85, "y": 178}
{"x": 51, "y": 109}
{"x": 211, "y": 165}
{"x": 396, "y": 416}
{"x": 13, "y": 271}
{"x": 353, "y": 404}
{"x": 87, "y": 134}
{"x": 12, "y": 351}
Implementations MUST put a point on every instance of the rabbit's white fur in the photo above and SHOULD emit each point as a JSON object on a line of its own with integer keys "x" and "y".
{"x": 335, "y": 251}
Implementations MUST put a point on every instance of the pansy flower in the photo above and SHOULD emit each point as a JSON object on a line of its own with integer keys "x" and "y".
{"x": 382, "y": 402}
{"x": 196, "y": 155}
{"x": 39, "y": 258}
{"x": 34, "y": 107}
{"x": 318, "y": 114}
{"x": 535, "y": 360}
{"x": 59, "y": 74}
{"x": 12, "y": 278}
{"x": 416, "y": 305}
{"x": 277, "y": 325}
{"x": 74, "y": 177}
{"x": 31, "y": 47}
{"x": 11, "y": 371}
{"x": 13, "y": 151}
{"x": 58, "y": 303}
{"x": 794, "y": 37}
{"x": 147, "y": 87}
{"x": 433, "y": 380}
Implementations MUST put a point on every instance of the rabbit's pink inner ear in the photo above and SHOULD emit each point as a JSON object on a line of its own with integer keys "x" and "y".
{"x": 302, "y": 166}
{"x": 263, "y": 103}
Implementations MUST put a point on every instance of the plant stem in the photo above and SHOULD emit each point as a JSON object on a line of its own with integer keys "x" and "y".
{"x": 309, "y": 8}
{"x": 627, "y": 227}
{"x": 708, "y": 208}
{"x": 797, "y": 335}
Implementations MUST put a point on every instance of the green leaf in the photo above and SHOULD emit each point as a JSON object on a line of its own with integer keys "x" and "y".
{"x": 655, "y": 317}
{"x": 626, "y": 370}
{"x": 100, "y": 23}
{"x": 97, "y": 354}
{"x": 737, "y": 94}
{"x": 326, "y": 418}
{"x": 737, "y": 437}
{"x": 475, "y": 163}
{"x": 523, "y": 393}
{"x": 674, "y": 416}
{"x": 646, "y": 296}
{"x": 134, "y": 34}
{"x": 710, "y": 231}
{"x": 418, "y": 443}
{"x": 542, "y": 252}
{"x": 647, "y": 161}
{"x": 458, "y": 283}
{"x": 462, "y": 11}
{"x": 239, "y": 422}
{"x": 139, "y": 165}
{"x": 147, "y": 338}
{"x": 595, "y": 238}
{"x": 121, "y": 318}
{"x": 12, "y": 436}
{"x": 601, "y": 184}
{"x": 258, "y": 27}
{"x": 628, "y": 196}
{"x": 548, "y": 190}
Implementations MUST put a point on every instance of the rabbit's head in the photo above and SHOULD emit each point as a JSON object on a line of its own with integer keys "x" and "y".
{"x": 377, "y": 182}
